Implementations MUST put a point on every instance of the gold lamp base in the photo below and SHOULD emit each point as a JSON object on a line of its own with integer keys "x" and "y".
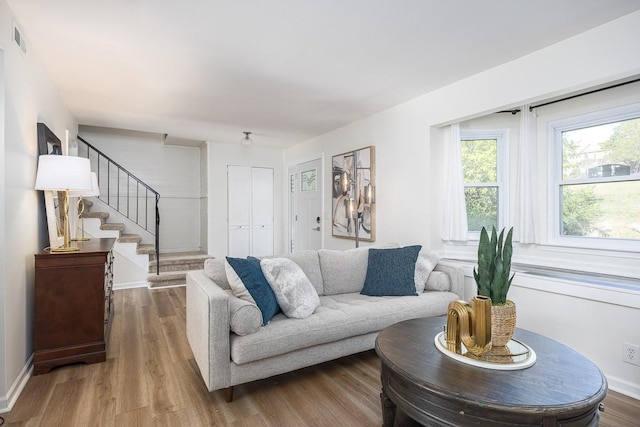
{"x": 63, "y": 200}
{"x": 65, "y": 249}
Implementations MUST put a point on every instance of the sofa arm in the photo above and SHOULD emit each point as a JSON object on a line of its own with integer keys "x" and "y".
{"x": 456, "y": 275}
{"x": 208, "y": 329}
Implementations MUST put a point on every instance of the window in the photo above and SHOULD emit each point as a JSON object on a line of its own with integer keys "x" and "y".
{"x": 596, "y": 190}
{"x": 483, "y": 154}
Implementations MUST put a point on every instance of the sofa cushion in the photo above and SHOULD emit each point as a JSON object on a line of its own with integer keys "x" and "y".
{"x": 338, "y": 317}
{"x": 425, "y": 264}
{"x": 236, "y": 284}
{"x": 244, "y": 317}
{"x": 345, "y": 271}
{"x": 248, "y": 283}
{"x": 310, "y": 264}
{"x": 214, "y": 269}
{"x": 294, "y": 292}
{"x": 391, "y": 271}
{"x": 438, "y": 281}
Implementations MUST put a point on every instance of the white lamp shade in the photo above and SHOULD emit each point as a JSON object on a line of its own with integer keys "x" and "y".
{"x": 95, "y": 191}
{"x": 60, "y": 173}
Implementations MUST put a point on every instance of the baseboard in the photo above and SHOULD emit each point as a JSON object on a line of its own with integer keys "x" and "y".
{"x": 624, "y": 387}
{"x": 7, "y": 402}
{"x": 130, "y": 285}
{"x": 168, "y": 286}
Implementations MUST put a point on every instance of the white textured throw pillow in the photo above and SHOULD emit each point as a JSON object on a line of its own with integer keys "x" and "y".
{"x": 425, "y": 264}
{"x": 295, "y": 294}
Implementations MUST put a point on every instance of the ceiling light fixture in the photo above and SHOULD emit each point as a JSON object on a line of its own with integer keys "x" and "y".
{"x": 246, "y": 141}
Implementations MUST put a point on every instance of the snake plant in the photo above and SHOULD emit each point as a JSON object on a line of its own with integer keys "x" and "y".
{"x": 494, "y": 265}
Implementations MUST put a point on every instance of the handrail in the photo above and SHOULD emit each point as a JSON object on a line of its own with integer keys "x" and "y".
{"x": 126, "y": 211}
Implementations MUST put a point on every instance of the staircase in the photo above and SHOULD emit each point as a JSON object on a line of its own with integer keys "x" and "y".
{"x": 173, "y": 266}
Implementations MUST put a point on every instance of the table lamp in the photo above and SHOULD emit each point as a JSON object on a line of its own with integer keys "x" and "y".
{"x": 63, "y": 174}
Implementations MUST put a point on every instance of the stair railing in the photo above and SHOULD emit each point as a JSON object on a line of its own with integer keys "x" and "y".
{"x": 133, "y": 184}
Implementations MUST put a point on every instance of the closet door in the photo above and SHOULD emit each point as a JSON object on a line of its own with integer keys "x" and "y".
{"x": 250, "y": 211}
{"x": 262, "y": 211}
{"x": 239, "y": 210}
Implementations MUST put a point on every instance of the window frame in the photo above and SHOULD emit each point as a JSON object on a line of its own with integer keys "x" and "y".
{"x": 556, "y": 181}
{"x": 502, "y": 171}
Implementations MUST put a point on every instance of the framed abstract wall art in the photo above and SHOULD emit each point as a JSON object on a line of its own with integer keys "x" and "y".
{"x": 353, "y": 175}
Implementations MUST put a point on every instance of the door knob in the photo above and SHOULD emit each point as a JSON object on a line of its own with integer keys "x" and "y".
{"x": 316, "y": 228}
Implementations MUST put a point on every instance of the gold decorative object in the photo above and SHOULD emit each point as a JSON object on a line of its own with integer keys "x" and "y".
{"x": 469, "y": 324}
{"x": 503, "y": 323}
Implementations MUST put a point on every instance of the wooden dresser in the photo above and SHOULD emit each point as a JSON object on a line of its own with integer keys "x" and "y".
{"x": 73, "y": 305}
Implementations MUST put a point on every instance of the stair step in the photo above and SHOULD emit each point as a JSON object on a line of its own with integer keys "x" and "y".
{"x": 87, "y": 205}
{"x": 130, "y": 238}
{"x": 112, "y": 226}
{"x": 179, "y": 261}
{"x": 146, "y": 249}
{"x": 173, "y": 278}
{"x": 101, "y": 215}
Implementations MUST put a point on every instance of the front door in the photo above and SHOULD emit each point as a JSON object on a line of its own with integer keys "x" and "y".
{"x": 307, "y": 206}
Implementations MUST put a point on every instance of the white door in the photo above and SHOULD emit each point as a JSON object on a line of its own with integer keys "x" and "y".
{"x": 262, "y": 211}
{"x": 250, "y": 211}
{"x": 239, "y": 210}
{"x": 308, "y": 206}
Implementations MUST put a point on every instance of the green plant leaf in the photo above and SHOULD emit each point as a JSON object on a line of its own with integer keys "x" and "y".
{"x": 494, "y": 265}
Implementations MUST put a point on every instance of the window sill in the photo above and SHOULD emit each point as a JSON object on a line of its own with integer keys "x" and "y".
{"x": 617, "y": 290}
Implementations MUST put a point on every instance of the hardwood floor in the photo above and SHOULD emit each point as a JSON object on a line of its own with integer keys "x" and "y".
{"x": 150, "y": 379}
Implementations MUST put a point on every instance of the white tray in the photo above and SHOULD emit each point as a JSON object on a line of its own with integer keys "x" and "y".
{"x": 515, "y": 355}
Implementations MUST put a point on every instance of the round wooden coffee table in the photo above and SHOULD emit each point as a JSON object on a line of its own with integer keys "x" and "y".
{"x": 561, "y": 388}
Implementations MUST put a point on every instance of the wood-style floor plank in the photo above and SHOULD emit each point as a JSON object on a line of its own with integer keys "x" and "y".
{"x": 151, "y": 379}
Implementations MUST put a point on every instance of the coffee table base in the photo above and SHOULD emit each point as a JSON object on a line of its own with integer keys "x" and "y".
{"x": 431, "y": 410}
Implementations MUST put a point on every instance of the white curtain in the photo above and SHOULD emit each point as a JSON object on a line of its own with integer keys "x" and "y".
{"x": 524, "y": 224}
{"x": 454, "y": 225}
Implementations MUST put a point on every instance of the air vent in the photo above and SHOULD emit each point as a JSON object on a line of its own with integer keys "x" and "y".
{"x": 17, "y": 37}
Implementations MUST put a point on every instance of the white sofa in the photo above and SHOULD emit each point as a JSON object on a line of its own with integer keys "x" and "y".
{"x": 345, "y": 323}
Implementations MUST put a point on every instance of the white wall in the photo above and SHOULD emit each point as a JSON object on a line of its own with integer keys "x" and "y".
{"x": 29, "y": 97}
{"x": 172, "y": 171}
{"x": 222, "y": 155}
{"x": 410, "y": 169}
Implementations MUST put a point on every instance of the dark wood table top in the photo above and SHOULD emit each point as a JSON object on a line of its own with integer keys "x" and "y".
{"x": 561, "y": 379}
{"x": 88, "y": 246}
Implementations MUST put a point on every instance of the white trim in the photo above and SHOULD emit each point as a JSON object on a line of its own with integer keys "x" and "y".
{"x": 7, "y": 402}
{"x": 554, "y": 132}
{"x": 574, "y": 288}
{"x": 291, "y": 207}
{"x": 131, "y": 285}
{"x": 502, "y": 173}
{"x": 623, "y": 386}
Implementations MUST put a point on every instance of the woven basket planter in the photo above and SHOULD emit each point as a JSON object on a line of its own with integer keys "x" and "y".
{"x": 503, "y": 323}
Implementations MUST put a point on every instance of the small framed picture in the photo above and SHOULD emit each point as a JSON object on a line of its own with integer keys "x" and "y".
{"x": 308, "y": 180}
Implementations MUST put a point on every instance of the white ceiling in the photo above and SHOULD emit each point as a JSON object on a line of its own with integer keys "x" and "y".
{"x": 288, "y": 70}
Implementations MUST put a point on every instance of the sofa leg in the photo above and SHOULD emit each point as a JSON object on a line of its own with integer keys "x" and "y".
{"x": 228, "y": 394}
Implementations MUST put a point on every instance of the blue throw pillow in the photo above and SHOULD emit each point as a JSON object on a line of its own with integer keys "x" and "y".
{"x": 249, "y": 271}
{"x": 391, "y": 272}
